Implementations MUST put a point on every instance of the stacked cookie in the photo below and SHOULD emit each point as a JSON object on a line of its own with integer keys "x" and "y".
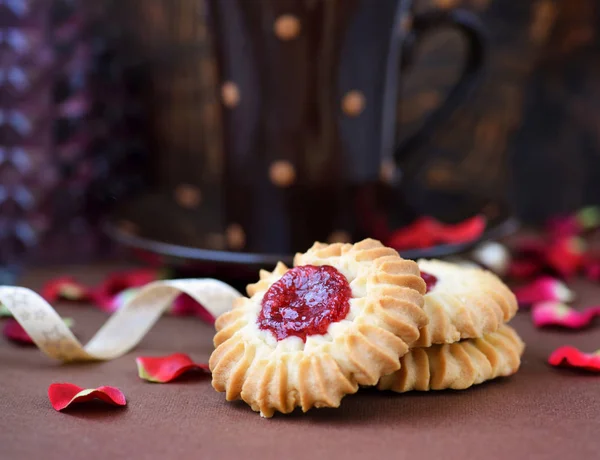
{"x": 466, "y": 341}
{"x": 351, "y": 315}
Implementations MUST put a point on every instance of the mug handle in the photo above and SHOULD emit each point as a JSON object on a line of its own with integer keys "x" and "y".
{"x": 469, "y": 25}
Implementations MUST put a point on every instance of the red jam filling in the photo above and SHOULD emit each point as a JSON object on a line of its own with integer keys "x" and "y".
{"x": 305, "y": 301}
{"x": 429, "y": 279}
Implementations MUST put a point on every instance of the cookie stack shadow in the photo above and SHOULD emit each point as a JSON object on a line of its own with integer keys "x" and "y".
{"x": 467, "y": 340}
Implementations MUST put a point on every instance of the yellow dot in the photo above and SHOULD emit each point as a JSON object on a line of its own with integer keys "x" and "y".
{"x": 481, "y": 4}
{"x": 387, "y": 171}
{"x": 406, "y": 23}
{"x": 339, "y": 236}
{"x": 287, "y": 27}
{"x": 236, "y": 237}
{"x": 215, "y": 241}
{"x": 126, "y": 226}
{"x": 446, "y": 4}
{"x": 429, "y": 100}
{"x": 353, "y": 103}
{"x": 230, "y": 94}
{"x": 282, "y": 173}
{"x": 438, "y": 176}
{"x": 188, "y": 196}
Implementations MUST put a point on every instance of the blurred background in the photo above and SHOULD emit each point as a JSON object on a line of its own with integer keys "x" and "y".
{"x": 108, "y": 101}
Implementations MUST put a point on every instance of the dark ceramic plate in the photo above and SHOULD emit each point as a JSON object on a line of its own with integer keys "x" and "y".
{"x": 157, "y": 239}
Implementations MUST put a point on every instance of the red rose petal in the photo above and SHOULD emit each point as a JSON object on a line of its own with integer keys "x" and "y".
{"x": 163, "y": 369}
{"x": 65, "y": 288}
{"x": 462, "y": 232}
{"x": 559, "y": 314}
{"x": 62, "y": 395}
{"x": 566, "y": 255}
{"x": 544, "y": 288}
{"x": 14, "y": 331}
{"x": 569, "y": 356}
{"x": 186, "y": 305}
{"x": 426, "y": 232}
{"x": 419, "y": 234}
{"x": 117, "y": 282}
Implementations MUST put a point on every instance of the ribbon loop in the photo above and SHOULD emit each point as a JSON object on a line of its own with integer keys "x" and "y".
{"x": 123, "y": 330}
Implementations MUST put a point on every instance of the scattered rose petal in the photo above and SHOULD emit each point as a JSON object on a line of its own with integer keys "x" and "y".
{"x": 65, "y": 288}
{"x": 566, "y": 255}
{"x": 462, "y": 232}
{"x": 185, "y": 305}
{"x": 166, "y": 368}
{"x": 543, "y": 289}
{"x": 118, "y": 282}
{"x": 419, "y": 234}
{"x": 62, "y": 395}
{"x": 14, "y": 332}
{"x": 559, "y": 314}
{"x": 426, "y": 231}
{"x": 569, "y": 356}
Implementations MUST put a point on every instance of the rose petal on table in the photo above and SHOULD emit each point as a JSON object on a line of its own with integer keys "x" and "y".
{"x": 569, "y": 356}
{"x": 566, "y": 255}
{"x": 62, "y": 395}
{"x": 14, "y": 332}
{"x": 461, "y": 232}
{"x": 116, "y": 283}
{"x": 418, "y": 234}
{"x": 65, "y": 288}
{"x": 543, "y": 289}
{"x": 560, "y": 314}
{"x": 163, "y": 369}
{"x": 185, "y": 305}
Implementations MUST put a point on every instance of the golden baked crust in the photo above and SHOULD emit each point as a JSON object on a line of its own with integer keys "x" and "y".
{"x": 384, "y": 319}
{"x": 465, "y": 303}
{"x": 458, "y": 365}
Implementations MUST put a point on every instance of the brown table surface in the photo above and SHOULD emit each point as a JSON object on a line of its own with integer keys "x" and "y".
{"x": 540, "y": 413}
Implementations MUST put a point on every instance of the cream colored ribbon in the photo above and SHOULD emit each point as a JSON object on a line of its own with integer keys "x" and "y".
{"x": 123, "y": 330}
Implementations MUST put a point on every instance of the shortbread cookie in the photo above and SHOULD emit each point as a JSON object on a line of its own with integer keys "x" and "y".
{"x": 462, "y": 302}
{"x": 307, "y": 336}
{"x": 458, "y": 365}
